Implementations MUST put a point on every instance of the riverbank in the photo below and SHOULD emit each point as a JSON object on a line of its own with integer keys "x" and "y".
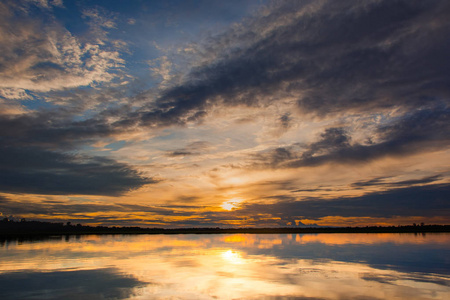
{"x": 10, "y": 229}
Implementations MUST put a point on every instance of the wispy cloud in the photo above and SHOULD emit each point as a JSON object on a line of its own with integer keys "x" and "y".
{"x": 423, "y": 130}
{"x": 406, "y": 201}
{"x": 386, "y": 182}
{"x": 42, "y": 56}
{"x": 194, "y": 148}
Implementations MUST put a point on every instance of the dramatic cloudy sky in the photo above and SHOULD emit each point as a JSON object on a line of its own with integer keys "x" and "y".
{"x": 225, "y": 113}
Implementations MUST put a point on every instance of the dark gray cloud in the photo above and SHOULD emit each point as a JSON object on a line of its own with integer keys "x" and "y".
{"x": 38, "y": 171}
{"x": 98, "y": 284}
{"x": 37, "y": 155}
{"x": 55, "y": 208}
{"x": 334, "y": 57}
{"x": 51, "y": 129}
{"x": 277, "y": 157}
{"x": 427, "y": 201}
{"x": 286, "y": 120}
{"x": 381, "y": 181}
{"x": 194, "y": 148}
{"x": 18, "y": 208}
{"x": 421, "y": 130}
{"x": 332, "y": 140}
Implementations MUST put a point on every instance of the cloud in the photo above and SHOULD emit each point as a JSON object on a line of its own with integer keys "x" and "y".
{"x": 382, "y": 181}
{"x": 56, "y": 208}
{"x": 162, "y": 68}
{"x": 69, "y": 284}
{"x": 37, "y": 171}
{"x": 421, "y": 130}
{"x": 331, "y": 57}
{"x": 332, "y": 140}
{"x": 98, "y": 18}
{"x": 100, "y": 21}
{"x": 33, "y": 157}
{"x": 195, "y": 148}
{"x": 39, "y": 55}
{"x": 285, "y": 120}
{"x": 105, "y": 213}
{"x": 428, "y": 201}
{"x": 46, "y": 3}
{"x": 59, "y": 128}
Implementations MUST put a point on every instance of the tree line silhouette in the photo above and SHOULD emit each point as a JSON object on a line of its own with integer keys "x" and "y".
{"x": 9, "y": 227}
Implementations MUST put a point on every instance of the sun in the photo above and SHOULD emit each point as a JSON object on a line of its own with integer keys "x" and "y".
{"x": 227, "y": 206}
{"x": 231, "y": 204}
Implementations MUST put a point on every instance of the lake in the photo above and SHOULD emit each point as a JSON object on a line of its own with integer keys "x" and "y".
{"x": 228, "y": 266}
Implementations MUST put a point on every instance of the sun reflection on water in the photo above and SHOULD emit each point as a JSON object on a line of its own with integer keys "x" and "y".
{"x": 233, "y": 257}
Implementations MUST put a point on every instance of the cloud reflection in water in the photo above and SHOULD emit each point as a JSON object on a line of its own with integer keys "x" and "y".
{"x": 324, "y": 266}
{"x": 94, "y": 284}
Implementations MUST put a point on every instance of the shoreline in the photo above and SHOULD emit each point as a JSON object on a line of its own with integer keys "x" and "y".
{"x": 85, "y": 230}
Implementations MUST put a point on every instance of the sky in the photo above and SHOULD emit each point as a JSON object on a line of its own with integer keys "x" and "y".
{"x": 225, "y": 113}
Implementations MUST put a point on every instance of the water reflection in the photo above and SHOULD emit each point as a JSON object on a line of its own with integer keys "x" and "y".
{"x": 322, "y": 266}
{"x": 68, "y": 284}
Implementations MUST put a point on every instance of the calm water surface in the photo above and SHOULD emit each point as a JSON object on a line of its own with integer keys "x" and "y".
{"x": 243, "y": 266}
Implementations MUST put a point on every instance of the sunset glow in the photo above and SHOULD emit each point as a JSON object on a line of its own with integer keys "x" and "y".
{"x": 253, "y": 113}
{"x": 231, "y": 204}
